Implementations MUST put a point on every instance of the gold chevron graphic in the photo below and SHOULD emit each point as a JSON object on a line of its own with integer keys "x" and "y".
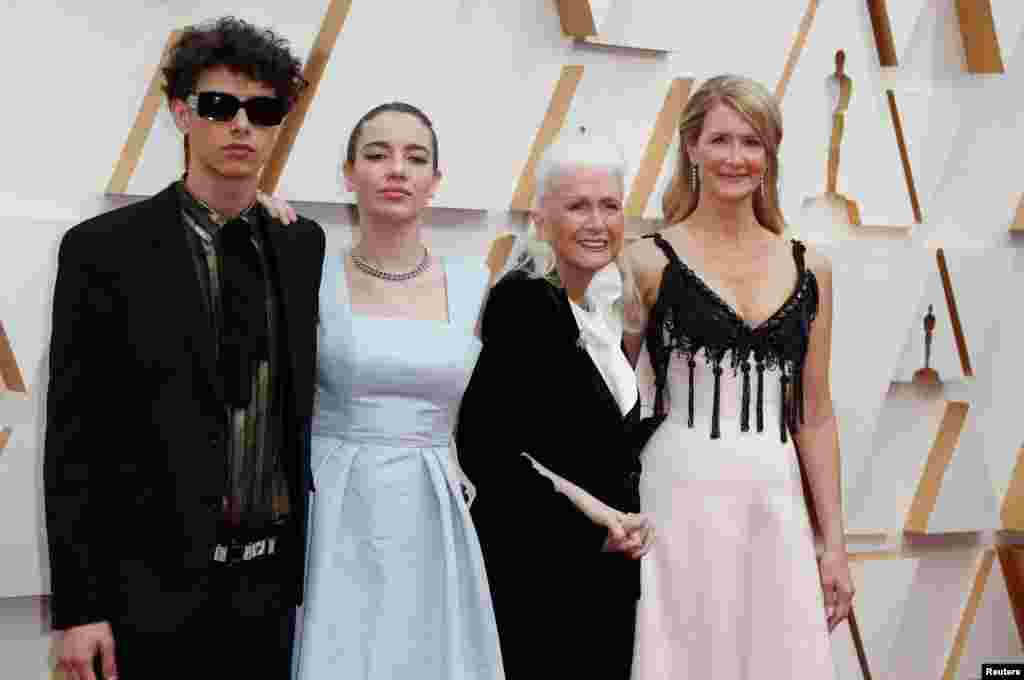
{"x": 882, "y": 27}
{"x": 139, "y": 133}
{"x": 577, "y": 18}
{"x": 886, "y": 46}
{"x": 313, "y": 72}
{"x": 797, "y": 49}
{"x": 1012, "y": 559}
{"x": 954, "y": 418}
{"x": 498, "y": 252}
{"x": 978, "y": 30}
{"x": 935, "y": 468}
{"x": 580, "y": 23}
{"x": 954, "y": 314}
{"x": 1012, "y": 512}
{"x": 1012, "y": 562}
{"x": 316, "y": 64}
{"x": 949, "y": 292}
{"x": 657, "y": 147}
{"x": 11, "y": 379}
{"x": 558, "y": 109}
{"x": 901, "y": 143}
{"x": 969, "y": 613}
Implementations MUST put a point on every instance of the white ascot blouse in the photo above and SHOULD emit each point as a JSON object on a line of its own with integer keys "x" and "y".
{"x": 601, "y": 335}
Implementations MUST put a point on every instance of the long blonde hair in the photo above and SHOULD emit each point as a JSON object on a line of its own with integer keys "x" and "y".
{"x": 760, "y": 108}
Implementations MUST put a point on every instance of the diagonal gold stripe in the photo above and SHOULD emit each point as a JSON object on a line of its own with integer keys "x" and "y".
{"x": 882, "y": 28}
{"x": 1012, "y": 562}
{"x": 10, "y": 375}
{"x": 577, "y": 18}
{"x": 954, "y": 315}
{"x": 938, "y": 460}
{"x": 313, "y": 72}
{"x": 853, "y": 212}
{"x": 1012, "y": 512}
{"x": 657, "y": 146}
{"x": 558, "y": 109}
{"x": 498, "y": 253}
{"x": 132, "y": 150}
{"x": 978, "y": 30}
{"x": 901, "y": 142}
{"x": 795, "y": 51}
{"x": 970, "y": 612}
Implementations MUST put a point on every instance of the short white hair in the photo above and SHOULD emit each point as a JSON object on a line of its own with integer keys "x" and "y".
{"x": 575, "y": 149}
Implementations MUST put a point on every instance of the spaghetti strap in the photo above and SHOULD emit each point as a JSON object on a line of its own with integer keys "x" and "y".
{"x": 665, "y": 247}
{"x": 798, "y": 255}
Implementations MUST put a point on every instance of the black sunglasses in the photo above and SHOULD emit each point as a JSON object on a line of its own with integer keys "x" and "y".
{"x": 223, "y": 107}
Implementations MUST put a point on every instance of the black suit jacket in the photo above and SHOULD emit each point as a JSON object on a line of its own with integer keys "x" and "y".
{"x": 536, "y": 390}
{"x": 134, "y": 467}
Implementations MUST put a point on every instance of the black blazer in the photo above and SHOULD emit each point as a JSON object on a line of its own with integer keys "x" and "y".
{"x": 535, "y": 390}
{"x": 134, "y": 468}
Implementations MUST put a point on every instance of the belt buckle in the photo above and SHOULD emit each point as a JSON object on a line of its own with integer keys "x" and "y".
{"x": 239, "y": 551}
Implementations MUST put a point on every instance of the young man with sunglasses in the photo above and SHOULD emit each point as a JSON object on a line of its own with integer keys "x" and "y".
{"x": 181, "y": 382}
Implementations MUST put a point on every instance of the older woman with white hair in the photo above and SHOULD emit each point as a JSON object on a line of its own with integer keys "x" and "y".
{"x": 543, "y": 432}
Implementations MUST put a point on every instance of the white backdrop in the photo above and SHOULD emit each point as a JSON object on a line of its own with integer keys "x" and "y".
{"x": 484, "y": 70}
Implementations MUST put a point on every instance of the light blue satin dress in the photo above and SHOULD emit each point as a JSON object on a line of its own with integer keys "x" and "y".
{"x": 396, "y": 587}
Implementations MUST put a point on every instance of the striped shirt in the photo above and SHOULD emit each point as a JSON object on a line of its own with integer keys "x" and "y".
{"x": 257, "y": 489}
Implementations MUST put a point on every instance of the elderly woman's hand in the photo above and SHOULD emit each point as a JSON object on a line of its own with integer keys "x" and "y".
{"x": 631, "y": 534}
{"x": 639, "y": 536}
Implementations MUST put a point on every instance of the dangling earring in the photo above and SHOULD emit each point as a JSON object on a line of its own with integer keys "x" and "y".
{"x": 764, "y": 192}
{"x": 693, "y": 178}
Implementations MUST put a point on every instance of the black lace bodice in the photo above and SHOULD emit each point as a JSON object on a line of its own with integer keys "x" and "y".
{"x": 689, "y": 317}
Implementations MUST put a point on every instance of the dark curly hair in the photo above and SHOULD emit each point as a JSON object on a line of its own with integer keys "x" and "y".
{"x": 393, "y": 107}
{"x": 258, "y": 53}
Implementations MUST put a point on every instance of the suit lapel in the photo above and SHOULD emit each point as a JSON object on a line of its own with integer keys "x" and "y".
{"x": 177, "y": 272}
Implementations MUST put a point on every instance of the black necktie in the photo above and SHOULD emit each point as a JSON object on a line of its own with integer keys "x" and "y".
{"x": 243, "y": 310}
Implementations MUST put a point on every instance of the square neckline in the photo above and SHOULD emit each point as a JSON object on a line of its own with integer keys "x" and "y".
{"x": 446, "y": 322}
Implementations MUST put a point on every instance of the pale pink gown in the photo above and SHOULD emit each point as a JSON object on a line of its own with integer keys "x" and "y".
{"x": 731, "y": 586}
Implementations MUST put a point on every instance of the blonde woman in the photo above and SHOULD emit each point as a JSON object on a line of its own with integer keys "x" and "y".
{"x": 738, "y": 338}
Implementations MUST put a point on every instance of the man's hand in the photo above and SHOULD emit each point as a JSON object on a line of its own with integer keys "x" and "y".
{"x": 79, "y": 645}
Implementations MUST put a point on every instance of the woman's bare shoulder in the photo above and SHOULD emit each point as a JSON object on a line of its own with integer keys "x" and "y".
{"x": 645, "y": 254}
{"x": 817, "y": 261}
